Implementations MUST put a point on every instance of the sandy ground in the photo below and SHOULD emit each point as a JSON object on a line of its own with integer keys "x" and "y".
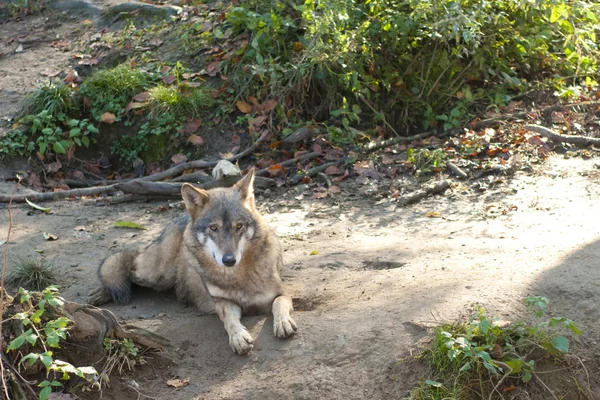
{"x": 380, "y": 276}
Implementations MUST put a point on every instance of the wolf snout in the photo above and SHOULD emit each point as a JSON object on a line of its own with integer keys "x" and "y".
{"x": 229, "y": 259}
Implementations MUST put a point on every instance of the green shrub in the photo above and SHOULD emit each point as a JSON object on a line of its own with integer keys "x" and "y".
{"x": 415, "y": 63}
{"x": 110, "y": 90}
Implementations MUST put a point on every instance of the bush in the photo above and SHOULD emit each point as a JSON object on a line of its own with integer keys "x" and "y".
{"x": 417, "y": 64}
{"x": 110, "y": 90}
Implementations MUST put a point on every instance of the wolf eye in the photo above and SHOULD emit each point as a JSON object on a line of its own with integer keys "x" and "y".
{"x": 239, "y": 226}
{"x": 213, "y": 228}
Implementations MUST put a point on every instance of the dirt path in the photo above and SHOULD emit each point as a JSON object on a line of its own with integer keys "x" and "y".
{"x": 380, "y": 274}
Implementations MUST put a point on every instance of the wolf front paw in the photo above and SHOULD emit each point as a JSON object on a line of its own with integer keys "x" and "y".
{"x": 241, "y": 342}
{"x": 284, "y": 326}
{"x": 99, "y": 296}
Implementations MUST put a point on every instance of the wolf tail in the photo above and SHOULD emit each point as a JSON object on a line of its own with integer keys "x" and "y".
{"x": 115, "y": 275}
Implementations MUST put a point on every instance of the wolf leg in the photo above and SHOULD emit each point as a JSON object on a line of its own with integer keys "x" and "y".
{"x": 114, "y": 274}
{"x": 283, "y": 325}
{"x": 230, "y": 313}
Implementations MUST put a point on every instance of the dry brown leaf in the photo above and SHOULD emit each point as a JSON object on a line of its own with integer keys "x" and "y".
{"x": 156, "y": 42}
{"x": 335, "y": 189}
{"x": 169, "y": 79}
{"x": 141, "y": 97}
{"x": 178, "y": 383}
{"x": 108, "y": 118}
{"x": 179, "y": 158}
{"x": 243, "y": 106}
{"x": 320, "y": 195}
{"x": 333, "y": 170}
{"x": 196, "y": 140}
{"x": 192, "y": 126}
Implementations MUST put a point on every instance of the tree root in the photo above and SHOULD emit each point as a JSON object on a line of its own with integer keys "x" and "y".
{"x": 557, "y": 138}
{"x": 417, "y": 195}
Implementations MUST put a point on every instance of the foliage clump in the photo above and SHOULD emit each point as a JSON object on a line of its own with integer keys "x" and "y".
{"x": 32, "y": 273}
{"x": 474, "y": 358}
{"x": 110, "y": 90}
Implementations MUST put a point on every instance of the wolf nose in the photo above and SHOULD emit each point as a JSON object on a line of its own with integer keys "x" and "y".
{"x": 229, "y": 260}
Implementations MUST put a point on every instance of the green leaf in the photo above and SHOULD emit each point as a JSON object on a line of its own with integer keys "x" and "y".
{"x": 92, "y": 129}
{"x": 46, "y": 359}
{"x": 45, "y": 393}
{"x": 128, "y": 224}
{"x": 33, "y": 205}
{"x": 78, "y": 141}
{"x": 32, "y": 357}
{"x": 561, "y": 344}
{"x": 16, "y": 343}
{"x": 58, "y": 148}
{"x": 36, "y": 317}
{"x": 85, "y": 141}
{"x": 43, "y": 147}
{"x": 484, "y": 325}
{"x": 75, "y": 132}
{"x": 73, "y": 122}
{"x": 515, "y": 365}
{"x": 47, "y": 131}
{"x": 465, "y": 367}
{"x": 433, "y": 383}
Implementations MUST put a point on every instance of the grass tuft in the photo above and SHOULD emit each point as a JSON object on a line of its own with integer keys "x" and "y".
{"x": 32, "y": 273}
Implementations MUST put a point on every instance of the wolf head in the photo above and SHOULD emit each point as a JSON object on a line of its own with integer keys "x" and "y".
{"x": 224, "y": 221}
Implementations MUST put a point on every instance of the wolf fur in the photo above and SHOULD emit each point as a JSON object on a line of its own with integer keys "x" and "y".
{"x": 221, "y": 257}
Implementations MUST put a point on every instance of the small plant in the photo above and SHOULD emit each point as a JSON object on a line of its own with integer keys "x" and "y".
{"x": 172, "y": 100}
{"x": 43, "y": 329}
{"x": 425, "y": 161}
{"x": 110, "y": 90}
{"x": 54, "y": 99}
{"x": 472, "y": 359}
{"x": 33, "y": 273}
{"x": 122, "y": 355}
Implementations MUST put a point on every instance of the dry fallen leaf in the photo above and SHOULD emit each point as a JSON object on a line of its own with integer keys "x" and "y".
{"x": 314, "y": 253}
{"x": 49, "y": 236}
{"x": 169, "y": 79}
{"x": 433, "y": 214}
{"x": 156, "y": 42}
{"x": 320, "y": 195}
{"x": 333, "y": 170}
{"x": 243, "y": 106}
{"x": 179, "y": 158}
{"x": 192, "y": 126}
{"x": 108, "y": 118}
{"x": 19, "y": 49}
{"x": 141, "y": 97}
{"x": 335, "y": 189}
{"x": 195, "y": 140}
{"x": 178, "y": 383}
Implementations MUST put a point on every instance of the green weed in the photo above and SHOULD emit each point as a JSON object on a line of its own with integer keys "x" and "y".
{"x": 425, "y": 161}
{"x": 55, "y": 99}
{"x": 33, "y": 273}
{"x": 472, "y": 359}
{"x": 110, "y": 90}
{"x": 43, "y": 329}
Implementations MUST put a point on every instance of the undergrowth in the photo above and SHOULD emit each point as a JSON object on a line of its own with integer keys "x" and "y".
{"x": 33, "y": 273}
{"x": 110, "y": 90}
{"x": 480, "y": 357}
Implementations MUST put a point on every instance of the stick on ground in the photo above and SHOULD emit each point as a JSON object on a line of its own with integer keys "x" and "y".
{"x": 413, "y": 197}
{"x": 557, "y": 138}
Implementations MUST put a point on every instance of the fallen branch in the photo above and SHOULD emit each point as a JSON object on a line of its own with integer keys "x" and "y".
{"x": 413, "y": 197}
{"x": 460, "y": 174}
{"x": 314, "y": 171}
{"x": 129, "y": 184}
{"x": 176, "y": 170}
{"x": 289, "y": 163}
{"x": 557, "y": 138}
{"x": 3, "y": 295}
{"x": 380, "y": 144}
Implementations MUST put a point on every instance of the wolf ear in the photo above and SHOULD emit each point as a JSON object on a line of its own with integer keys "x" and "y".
{"x": 194, "y": 198}
{"x": 246, "y": 186}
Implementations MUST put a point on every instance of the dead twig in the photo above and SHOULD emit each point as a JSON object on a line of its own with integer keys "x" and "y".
{"x": 3, "y": 294}
{"x": 314, "y": 171}
{"x": 413, "y": 197}
{"x": 380, "y": 144}
{"x": 546, "y": 386}
{"x": 121, "y": 186}
{"x": 460, "y": 174}
{"x": 557, "y": 138}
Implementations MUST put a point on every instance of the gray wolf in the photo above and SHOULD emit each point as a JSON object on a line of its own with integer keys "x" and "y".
{"x": 221, "y": 257}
